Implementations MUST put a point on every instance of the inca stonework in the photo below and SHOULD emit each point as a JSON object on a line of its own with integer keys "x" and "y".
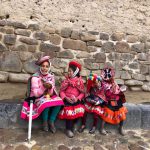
{"x": 130, "y": 16}
{"x": 21, "y": 45}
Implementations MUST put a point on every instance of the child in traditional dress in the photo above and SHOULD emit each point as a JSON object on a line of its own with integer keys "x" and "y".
{"x": 94, "y": 101}
{"x": 72, "y": 92}
{"x": 42, "y": 90}
{"x": 114, "y": 111}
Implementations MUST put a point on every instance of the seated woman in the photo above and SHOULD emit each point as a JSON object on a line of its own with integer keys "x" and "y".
{"x": 46, "y": 100}
{"x": 114, "y": 111}
{"x": 94, "y": 101}
{"x": 72, "y": 92}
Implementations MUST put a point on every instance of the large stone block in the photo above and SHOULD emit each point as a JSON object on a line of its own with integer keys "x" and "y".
{"x": 24, "y": 56}
{"x": 11, "y": 62}
{"x": 55, "y": 39}
{"x": 29, "y": 41}
{"x": 91, "y": 66}
{"x": 65, "y": 54}
{"x": 87, "y": 37}
{"x": 74, "y": 44}
{"x": 108, "y": 47}
{"x": 145, "y": 116}
{"x": 16, "y": 24}
{"x": 83, "y": 55}
{"x": 118, "y": 36}
{"x": 41, "y": 36}
{"x": 23, "y": 32}
{"x": 100, "y": 57}
{"x": 45, "y": 47}
{"x": 127, "y": 57}
{"x": 10, "y": 39}
{"x": 104, "y": 36}
{"x": 20, "y": 78}
{"x": 122, "y": 47}
{"x": 30, "y": 67}
{"x": 133, "y": 120}
{"x": 138, "y": 47}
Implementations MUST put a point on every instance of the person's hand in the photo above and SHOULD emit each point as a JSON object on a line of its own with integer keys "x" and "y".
{"x": 69, "y": 100}
{"x": 47, "y": 85}
{"x": 74, "y": 99}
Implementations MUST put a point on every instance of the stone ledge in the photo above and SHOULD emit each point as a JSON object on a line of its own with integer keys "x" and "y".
{"x": 138, "y": 117}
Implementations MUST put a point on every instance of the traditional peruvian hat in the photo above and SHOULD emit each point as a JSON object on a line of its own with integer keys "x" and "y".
{"x": 107, "y": 73}
{"x": 91, "y": 79}
{"x": 43, "y": 59}
{"x": 76, "y": 64}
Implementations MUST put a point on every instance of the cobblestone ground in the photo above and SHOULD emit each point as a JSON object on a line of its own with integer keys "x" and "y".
{"x": 14, "y": 139}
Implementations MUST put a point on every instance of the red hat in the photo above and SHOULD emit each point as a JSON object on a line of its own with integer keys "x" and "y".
{"x": 43, "y": 59}
{"x": 76, "y": 64}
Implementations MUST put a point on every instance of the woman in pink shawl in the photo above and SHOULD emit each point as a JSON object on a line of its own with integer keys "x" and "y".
{"x": 42, "y": 90}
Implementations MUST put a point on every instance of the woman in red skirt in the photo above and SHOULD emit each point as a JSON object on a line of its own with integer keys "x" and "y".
{"x": 72, "y": 92}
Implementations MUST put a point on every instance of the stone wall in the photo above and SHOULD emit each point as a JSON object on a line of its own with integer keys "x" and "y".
{"x": 21, "y": 45}
{"x": 130, "y": 16}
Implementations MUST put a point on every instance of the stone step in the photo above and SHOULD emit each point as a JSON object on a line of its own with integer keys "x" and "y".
{"x": 138, "y": 116}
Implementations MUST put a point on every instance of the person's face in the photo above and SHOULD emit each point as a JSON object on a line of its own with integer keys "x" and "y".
{"x": 70, "y": 72}
{"x": 97, "y": 83}
{"x": 45, "y": 67}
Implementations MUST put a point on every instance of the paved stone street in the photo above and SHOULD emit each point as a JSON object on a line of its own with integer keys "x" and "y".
{"x": 14, "y": 139}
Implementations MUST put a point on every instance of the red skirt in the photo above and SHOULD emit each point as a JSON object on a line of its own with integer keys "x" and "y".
{"x": 72, "y": 111}
{"x": 97, "y": 109}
